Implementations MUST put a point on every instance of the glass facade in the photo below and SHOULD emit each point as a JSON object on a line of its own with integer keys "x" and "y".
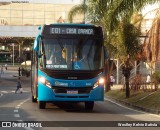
{"x": 34, "y": 13}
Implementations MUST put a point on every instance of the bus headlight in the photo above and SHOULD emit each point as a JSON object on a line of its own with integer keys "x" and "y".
{"x": 42, "y": 80}
{"x": 48, "y": 84}
{"x": 45, "y": 82}
{"x": 101, "y": 81}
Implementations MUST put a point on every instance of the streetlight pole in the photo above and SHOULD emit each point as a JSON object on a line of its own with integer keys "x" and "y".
{"x": 13, "y": 53}
{"x": 84, "y": 4}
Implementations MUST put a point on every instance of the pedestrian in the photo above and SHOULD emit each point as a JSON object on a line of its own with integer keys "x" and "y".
{"x": 148, "y": 81}
{"x": 19, "y": 86}
{"x": 1, "y": 70}
{"x": 112, "y": 80}
{"x": 23, "y": 72}
{"x": 6, "y": 66}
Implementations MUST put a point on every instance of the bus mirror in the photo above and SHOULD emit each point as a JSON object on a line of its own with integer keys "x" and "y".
{"x": 40, "y": 27}
{"x": 40, "y": 55}
{"x": 36, "y": 42}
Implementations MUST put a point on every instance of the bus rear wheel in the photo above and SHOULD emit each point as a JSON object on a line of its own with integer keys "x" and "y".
{"x": 89, "y": 105}
{"x": 42, "y": 105}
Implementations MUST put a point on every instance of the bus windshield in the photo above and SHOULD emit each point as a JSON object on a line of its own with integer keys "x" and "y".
{"x": 73, "y": 54}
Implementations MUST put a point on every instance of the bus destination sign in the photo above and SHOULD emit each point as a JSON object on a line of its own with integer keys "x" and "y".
{"x": 79, "y": 31}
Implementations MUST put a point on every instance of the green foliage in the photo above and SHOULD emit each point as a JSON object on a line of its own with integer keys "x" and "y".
{"x": 125, "y": 9}
{"x": 127, "y": 41}
{"x": 156, "y": 77}
{"x": 151, "y": 101}
{"x": 78, "y": 9}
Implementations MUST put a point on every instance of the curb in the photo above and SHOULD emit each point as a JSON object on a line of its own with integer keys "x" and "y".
{"x": 152, "y": 111}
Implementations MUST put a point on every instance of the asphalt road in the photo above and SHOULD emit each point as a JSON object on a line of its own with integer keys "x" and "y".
{"x": 19, "y": 107}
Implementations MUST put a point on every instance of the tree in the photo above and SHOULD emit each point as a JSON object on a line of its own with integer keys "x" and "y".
{"x": 126, "y": 8}
{"x": 128, "y": 46}
{"x": 151, "y": 43}
{"x": 23, "y": 42}
{"x": 121, "y": 37}
{"x": 77, "y": 9}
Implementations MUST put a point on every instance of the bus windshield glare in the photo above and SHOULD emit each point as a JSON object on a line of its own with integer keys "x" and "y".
{"x": 73, "y": 54}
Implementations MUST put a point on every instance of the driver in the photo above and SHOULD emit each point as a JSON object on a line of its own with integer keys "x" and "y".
{"x": 59, "y": 56}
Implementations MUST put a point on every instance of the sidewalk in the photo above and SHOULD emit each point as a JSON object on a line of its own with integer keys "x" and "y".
{"x": 117, "y": 87}
{"x": 120, "y": 86}
{"x": 135, "y": 101}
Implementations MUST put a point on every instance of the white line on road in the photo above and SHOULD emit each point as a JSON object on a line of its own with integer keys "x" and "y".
{"x": 27, "y": 128}
{"x": 15, "y": 110}
{"x": 1, "y": 94}
{"x": 16, "y": 115}
{"x": 129, "y": 108}
{"x": 20, "y": 120}
{"x": 17, "y": 107}
{"x": 13, "y": 91}
{"x": 4, "y": 92}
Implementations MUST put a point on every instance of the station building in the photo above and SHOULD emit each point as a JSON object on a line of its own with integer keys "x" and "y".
{"x": 35, "y": 12}
{"x": 19, "y": 21}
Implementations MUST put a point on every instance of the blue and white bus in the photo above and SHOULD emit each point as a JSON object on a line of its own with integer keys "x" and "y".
{"x": 68, "y": 65}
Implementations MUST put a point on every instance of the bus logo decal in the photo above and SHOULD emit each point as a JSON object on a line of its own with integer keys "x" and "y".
{"x": 61, "y": 84}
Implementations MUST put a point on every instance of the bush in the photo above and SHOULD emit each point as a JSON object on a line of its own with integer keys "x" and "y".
{"x": 156, "y": 77}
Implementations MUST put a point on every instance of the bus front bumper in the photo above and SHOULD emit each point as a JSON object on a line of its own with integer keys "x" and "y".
{"x": 47, "y": 94}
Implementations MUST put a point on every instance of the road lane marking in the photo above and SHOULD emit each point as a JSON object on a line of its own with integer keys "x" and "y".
{"x": 20, "y": 120}
{"x": 28, "y": 128}
{"x": 1, "y": 94}
{"x": 13, "y": 91}
{"x": 16, "y": 115}
{"x": 15, "y": 110}
{"x": 17, "y": 107}
{"x": 4, "y": 92}
{"x": 21, "y": 103}
{"x": 130, "y": 108}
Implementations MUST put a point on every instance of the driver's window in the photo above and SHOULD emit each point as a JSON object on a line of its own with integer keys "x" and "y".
{"x": 40, "y": 57}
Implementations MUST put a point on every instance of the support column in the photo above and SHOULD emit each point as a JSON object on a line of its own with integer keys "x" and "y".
{"x": 117, "y": 71}
{"x": 135, "y": 67}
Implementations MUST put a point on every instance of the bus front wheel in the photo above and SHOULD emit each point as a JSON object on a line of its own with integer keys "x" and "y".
{"x": 34, "y": 99}
{"x": 42, "y": 104}
{"x": 89, "y": 105}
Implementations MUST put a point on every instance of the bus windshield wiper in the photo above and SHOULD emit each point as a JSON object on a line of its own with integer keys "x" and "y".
{"x": 60, "y": 43}
{"x": 84, "y": 43}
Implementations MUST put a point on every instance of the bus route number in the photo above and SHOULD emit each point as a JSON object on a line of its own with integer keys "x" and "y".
{"x": 79, "y": 31}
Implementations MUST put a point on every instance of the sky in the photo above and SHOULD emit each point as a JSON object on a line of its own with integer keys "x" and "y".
{"x": 45, "y": 1}
{"x": 147, "y": 11}
{"x": 149, "y": 8}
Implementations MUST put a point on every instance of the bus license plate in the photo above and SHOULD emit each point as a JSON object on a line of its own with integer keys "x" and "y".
{"x": 72, "y": 91}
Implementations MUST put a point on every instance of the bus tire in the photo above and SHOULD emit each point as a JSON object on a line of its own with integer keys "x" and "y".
{"x": 42, "y": 105}
{"x": 89, "y": 105}
{"x": 34, "y": 99}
